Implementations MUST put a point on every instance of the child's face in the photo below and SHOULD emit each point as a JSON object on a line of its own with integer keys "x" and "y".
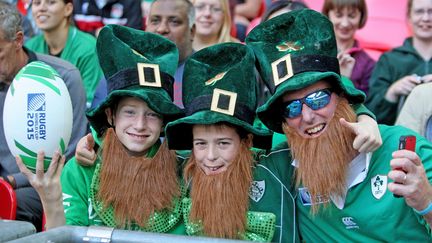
{"x": 215, "y": 148}
{"x": 136, "y": 125}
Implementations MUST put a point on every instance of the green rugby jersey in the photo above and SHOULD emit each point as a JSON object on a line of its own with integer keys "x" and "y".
{"x": 371, "y": 213}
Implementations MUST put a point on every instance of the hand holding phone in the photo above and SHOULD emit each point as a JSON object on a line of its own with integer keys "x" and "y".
{"x": 408, "y": 143}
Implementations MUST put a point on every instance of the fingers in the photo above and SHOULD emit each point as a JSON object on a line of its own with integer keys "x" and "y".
{"x": 53, "y": 167}
{"x": 406, "y": 156}
{"x": 85, "y": 158}
{"x": 40, "y": 164}
{"x": 398, "y": 176}
{"x": 85, "y": 154}
{"x": 60, "y": 166}
{"x": 427, "y": 78}
{"x": 360, "y": 143}
{"x": 351, "y": 126}
{"x": 90, "y": 142}
{"x": 22, "y": 167}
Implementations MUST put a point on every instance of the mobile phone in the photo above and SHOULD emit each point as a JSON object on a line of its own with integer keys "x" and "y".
{"x": 408, "y": 143}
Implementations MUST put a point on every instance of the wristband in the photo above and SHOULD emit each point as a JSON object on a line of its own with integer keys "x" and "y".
{"x": 424, "y": 211}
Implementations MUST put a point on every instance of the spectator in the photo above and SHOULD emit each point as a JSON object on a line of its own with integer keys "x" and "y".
{"x": 279, "y": 7}
{"x": 221, "y": 103}
{"x": 212, "y": 23}
{"x": 417, "y": 110}
{"x": 173, "y": 19}
{"x": 13, "y": 57}
{"x": 244, "y": 12}
{"x": 347, "y": 17}
{"x": 133, "y": 184}
{"x": 398, "y": 71}
{"x": 91, "y": 15}
{"x": 339, "y": 190}
{"x": 60, "y": 38}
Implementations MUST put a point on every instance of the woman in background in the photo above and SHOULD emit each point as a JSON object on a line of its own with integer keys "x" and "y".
{"x": 60, "y": 38}
{"x": 213, "y": 23}
{"x": 347, "y": 17}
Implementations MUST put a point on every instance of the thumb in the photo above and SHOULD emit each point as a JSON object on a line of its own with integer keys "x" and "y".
{"x": 350, "y": 125}
{"x": 90, "y": 142}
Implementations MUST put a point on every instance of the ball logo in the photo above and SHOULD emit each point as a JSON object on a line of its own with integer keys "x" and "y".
{"x": 37, "y": 114}
{"x": 36, "y": 102}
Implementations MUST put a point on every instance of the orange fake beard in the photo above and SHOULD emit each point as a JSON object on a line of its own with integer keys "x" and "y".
{"x": 221, "y": 201}
{"x": 323, "y": 161}
{"x": 136, "y": 187}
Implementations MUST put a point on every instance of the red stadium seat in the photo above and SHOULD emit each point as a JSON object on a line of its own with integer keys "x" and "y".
{"x": 8, "y": 202}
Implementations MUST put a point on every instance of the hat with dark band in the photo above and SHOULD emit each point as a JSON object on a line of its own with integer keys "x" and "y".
{"x": 219, "y": 86}
{"x": 293, "y": 51}
{"x": 136, "y": 64}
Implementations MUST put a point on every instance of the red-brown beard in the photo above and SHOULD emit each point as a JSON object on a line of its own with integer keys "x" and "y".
{"x": 323, "y": 161}
{"x": 136, "y": 187}
{"x": 221, "y": 201}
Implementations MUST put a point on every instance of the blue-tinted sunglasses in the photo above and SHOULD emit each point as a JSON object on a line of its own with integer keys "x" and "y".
{"x": 316, "y": 100}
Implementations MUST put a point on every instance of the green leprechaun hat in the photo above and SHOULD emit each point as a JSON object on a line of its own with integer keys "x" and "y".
{"x": 138, "y": 64}
{"x": 295, "y": 50}
{"x": 219, "y": 85}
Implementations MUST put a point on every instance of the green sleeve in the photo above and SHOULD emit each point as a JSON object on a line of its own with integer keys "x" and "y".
{"x": 361, "y": 109}
{"x": 383, "y": 76}
{"x": 76, "y": 181}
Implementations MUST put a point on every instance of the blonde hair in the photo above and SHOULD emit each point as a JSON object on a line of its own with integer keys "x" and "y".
{"x": 225, "y": 31}
{"x": 224, "y": 34}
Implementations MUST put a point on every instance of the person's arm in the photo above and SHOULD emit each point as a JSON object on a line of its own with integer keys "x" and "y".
{"x": 248, "y": 9}
{"x": 77, "y": 93}
{"x": 91, "y": 73}
{"x": 48, "y": 187}
{"x": 385, "y": 90}
{"x": 416, "y": 110}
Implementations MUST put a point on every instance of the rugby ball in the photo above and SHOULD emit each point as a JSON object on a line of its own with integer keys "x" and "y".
{"x": 37, "y": 114}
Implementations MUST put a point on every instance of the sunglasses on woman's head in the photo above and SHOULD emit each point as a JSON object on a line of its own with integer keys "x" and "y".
{"x": 316, "y": 100}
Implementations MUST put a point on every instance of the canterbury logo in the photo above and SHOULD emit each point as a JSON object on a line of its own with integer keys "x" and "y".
{"x": 349, "y": 223}
{"x": 289, "y": 46}
{"x": 218, "y": 77}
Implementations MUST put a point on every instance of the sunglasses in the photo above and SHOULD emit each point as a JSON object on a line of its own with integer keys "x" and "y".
{"x": 316, "y": 100}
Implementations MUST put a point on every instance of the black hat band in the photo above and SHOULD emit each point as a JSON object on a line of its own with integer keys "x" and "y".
{"x": 130, "y": 77}
{"x": 287, "y": 66}
{"x": 204, "y": 102}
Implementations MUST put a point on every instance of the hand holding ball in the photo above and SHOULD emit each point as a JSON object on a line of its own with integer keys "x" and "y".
{"x": 37, "y": 114}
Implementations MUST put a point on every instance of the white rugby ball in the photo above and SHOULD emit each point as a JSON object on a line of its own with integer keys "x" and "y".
{"x": 37, "y": 114}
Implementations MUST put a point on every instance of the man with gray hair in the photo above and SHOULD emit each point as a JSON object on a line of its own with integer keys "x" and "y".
{"x": 174, "y": 19}
{"x": 14, "y": 56}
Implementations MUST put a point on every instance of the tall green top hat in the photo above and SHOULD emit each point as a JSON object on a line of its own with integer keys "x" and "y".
{"x": 295, "y": 50}
{"x": 219, "y": 85}
{"x": 137, "y": 64}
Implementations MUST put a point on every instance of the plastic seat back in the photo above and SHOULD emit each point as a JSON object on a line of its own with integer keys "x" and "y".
{"x": 8, "y": 202}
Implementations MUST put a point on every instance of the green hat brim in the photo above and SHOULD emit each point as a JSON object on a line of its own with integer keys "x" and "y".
{"x": 156, "y": 98}
{"x": 179, "y": 132}
{"x": 270, "y": 114}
